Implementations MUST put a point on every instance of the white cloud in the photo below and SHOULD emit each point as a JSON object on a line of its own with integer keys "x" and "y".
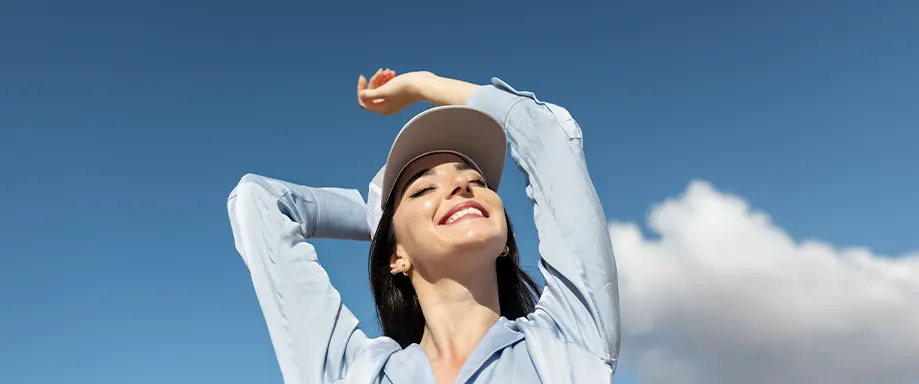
{"x": 725, "y": 296}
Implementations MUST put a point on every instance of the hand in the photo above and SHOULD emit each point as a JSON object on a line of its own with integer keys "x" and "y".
{"x": 388, "y": 94}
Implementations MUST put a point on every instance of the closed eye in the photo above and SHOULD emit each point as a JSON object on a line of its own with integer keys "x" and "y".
{"x": 420, "y": 192}
{"x": 479, "y": 181}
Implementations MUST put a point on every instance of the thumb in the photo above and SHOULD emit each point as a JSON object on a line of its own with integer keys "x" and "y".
{"x": 372, "y": 94}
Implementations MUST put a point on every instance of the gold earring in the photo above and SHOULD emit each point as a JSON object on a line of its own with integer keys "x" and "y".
{"x": 505, "y": 252}
{"x": 404, "y": 270}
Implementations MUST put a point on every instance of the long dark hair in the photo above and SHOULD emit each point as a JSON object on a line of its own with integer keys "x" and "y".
{"x": 397, "y": 304}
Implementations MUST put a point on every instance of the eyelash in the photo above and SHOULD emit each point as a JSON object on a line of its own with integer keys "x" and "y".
{"x": 425, "y": 189}
{"x": 422, "y": 191}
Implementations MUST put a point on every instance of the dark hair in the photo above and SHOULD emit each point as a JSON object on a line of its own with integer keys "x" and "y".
{"x": 397, "y": 304}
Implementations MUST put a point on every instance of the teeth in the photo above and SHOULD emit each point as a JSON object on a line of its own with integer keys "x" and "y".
{"x": 464, "y": 212}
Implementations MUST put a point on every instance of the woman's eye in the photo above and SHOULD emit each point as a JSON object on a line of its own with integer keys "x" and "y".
{"x": 478, "y": 180}
{"x": 420, "y": 192}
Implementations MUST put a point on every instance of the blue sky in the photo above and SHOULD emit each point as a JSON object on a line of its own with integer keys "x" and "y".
{"x": 124, "y": 125}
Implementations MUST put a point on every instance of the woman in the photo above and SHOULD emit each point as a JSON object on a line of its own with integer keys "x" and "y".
{"x": 453, "y": 303}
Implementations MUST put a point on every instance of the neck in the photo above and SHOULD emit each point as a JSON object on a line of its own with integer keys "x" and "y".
{"x": 457, "y": 314}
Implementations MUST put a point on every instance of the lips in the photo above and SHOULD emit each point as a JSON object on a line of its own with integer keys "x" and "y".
{"x": 465, "y": 210}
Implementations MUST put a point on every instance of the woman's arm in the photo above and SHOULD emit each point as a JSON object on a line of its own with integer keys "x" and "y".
{"x": 315, "y": 337}
{"x": 581, "y": 298}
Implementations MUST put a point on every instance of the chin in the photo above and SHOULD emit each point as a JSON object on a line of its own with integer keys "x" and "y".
{"x": 477, "y": 240}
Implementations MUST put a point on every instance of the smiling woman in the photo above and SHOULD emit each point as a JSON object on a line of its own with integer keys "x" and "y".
{"x": 468, "y": 237}
{"x": 453, "y": 303}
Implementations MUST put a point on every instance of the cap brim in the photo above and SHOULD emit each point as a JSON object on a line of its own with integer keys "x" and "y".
{"x": 468, "y": 132}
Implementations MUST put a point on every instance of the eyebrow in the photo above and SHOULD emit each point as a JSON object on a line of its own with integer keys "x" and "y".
{"x": 464, "y": 166}
{"x": 460, "y": 166}
{"x": 416, "y": 176}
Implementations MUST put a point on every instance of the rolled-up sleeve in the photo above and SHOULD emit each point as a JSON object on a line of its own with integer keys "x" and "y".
{"x": 581, "y": 297}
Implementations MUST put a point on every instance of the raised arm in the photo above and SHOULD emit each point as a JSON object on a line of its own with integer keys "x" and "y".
{"x": 581, "y": 298}
{"x": 316, "y": 338}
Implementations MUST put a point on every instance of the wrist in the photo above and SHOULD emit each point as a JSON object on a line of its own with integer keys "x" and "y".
{"x": 439, "y": 90}
{"x": 424, "y": 87}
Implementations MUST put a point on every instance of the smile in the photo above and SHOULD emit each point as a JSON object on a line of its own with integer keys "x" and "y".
{"x": 464, "y": 213}
{"x": 467, "y": 210}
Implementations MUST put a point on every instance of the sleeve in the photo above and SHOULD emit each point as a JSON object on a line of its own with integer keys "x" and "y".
{"x": 580, "y": 301}
{"x": 315, "y": 337}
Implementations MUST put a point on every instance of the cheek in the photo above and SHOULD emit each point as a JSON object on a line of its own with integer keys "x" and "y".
{"x": 428, "y": 207}
{"x": 413, "y": 221}
{"x": 500, "y": 218}
{"x": 502, "y": 222}
{"x": 415, "y": 211}
{"x": 497, "y": 207}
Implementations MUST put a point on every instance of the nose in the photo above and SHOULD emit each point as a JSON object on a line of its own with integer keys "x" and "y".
{"x": 461, "y": 186}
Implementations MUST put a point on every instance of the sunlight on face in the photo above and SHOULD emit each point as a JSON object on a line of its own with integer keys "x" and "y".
{"x": 446, "y": 215}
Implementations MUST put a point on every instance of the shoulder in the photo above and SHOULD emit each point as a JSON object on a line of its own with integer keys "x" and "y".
{"x": 557, "y": 360}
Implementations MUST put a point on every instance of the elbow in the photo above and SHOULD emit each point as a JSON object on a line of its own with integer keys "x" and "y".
{"x": 264, "y": 196}
{"x": 242, "y": 206}
{"x": 248, "y": 181}
{"x": 251, "y": 188}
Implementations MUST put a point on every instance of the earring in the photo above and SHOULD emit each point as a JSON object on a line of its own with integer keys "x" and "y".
{"x": 400, "y": 269}
{"x": 505, "y": 252}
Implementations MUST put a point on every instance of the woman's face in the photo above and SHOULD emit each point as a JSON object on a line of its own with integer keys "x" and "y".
{"x": 444, "y": 213}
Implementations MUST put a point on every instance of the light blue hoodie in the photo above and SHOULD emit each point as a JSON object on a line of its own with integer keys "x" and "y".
{"x": 571, "y": 337}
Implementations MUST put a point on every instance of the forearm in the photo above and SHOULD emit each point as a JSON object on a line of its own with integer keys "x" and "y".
{"x": 439, "y": 90}
{"x": 333, "y": 213}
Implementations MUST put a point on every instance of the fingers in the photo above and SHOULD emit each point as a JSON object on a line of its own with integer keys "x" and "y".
{"x": 382, "y": 76}
{"x": 387, "y": 75}
{"x": 377, "y": 79}
{"x": 368, "y": 94}
{"x": 361, "y": 85}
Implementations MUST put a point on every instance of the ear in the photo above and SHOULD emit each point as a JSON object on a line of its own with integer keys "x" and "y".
{"x": 399, "y": 264}
{"x": 394, "y": 264}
